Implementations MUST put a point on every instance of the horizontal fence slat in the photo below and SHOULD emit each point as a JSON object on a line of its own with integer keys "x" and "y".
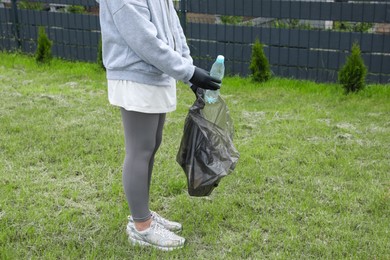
{"x": 6, "y": 31}
{"x": 5, "y": 15}
{"x": 377, "y": 63}
{"x": 63, "y": 20}
{"x": 283, "y": 56}
{"x": 62, "y": 35}
{"x": 307, "y": 10}
{"x": 66, "y": 51}
{"x": 68, "y": 2}
{"x": 290, "y": 37}
{"x": 28, "y": 46}
{"x": 376, "y": 78}
{"x": 28, "y": 32}
{"x": 231, "y": 68}
{"x": 8, "y": 44}
{"x": 72, "y": 53}
{"x": 319, "y": 75}
{"x": 210, "y": 50}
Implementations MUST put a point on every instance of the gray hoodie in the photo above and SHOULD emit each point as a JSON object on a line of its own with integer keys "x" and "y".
{"x": 143, "y": 42}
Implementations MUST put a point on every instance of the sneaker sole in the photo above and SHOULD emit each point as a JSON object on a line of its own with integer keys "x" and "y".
{"x": 177, "y": 231}
{"x": 135, "y": 242}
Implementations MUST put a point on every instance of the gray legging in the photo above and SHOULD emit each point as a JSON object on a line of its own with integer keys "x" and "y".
{"x": 143, "y": 136}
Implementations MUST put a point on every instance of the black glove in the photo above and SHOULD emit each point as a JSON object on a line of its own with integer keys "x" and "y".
{"x": 197, "y": 91}
{"x": 203, "y": 79}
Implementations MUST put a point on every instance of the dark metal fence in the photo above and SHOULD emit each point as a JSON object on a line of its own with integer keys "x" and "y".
{"x": 302, "y": 39}
{"x": 75, "y": 36}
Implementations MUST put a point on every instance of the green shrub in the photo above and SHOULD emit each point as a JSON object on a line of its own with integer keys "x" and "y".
{"x": 352, "y": 27}
{"x": 259, "y": 63}
{"x": 43, "y": 53}
{"x": 353, "y": 74}
{"x": 76, "y": 9}
{"x": 363, "y": 27}
{"x": 24, "y": 4}
{"x": 228, "y": 19}
{"x": 291, "y": 24}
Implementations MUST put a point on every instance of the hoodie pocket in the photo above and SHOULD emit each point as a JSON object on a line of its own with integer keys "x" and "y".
{"x": 153, "y": 70}
{"x": 114, "y": 58}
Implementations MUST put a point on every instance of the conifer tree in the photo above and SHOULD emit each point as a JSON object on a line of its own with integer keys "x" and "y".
{"x": 352, "y": 75}
{"x": 43, "y": 52}
{"x": 259, "y": 63}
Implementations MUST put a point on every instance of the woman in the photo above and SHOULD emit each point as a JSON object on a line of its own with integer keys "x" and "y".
{"x": 145, "y": 52}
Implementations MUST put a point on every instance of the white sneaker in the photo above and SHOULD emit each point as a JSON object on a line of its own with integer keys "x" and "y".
{"x": 170, "y": 225}
{"x": 156, "y": 236}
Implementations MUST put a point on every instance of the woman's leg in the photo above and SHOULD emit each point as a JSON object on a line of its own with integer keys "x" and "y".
{"x": 159, "y": 133}
{"x": 143, "y": 135}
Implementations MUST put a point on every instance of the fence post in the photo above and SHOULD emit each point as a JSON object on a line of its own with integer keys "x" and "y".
{"x": 15, "y": 23}
{"x": 183, "y": 15}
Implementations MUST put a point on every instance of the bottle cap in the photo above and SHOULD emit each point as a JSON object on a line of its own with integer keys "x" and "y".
{"x": 220, "y": 58}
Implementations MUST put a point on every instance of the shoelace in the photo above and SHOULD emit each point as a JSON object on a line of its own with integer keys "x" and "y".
{"x": 158, "y": 218}
{"x": 162, "y": 231}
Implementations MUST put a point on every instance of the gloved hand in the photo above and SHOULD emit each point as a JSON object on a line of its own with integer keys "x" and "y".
{"x": 197, "y": 91}
{"x": 203, "y": 79}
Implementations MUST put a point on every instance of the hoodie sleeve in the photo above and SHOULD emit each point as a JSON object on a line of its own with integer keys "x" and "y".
{"x": 185, "y": 48}
{"x": 134, "y": 25}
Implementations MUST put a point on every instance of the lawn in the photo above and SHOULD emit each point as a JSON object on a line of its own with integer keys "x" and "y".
{"x": 313, "y": 180}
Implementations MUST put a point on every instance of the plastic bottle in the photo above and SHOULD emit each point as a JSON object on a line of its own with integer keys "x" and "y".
{"x": 217, "y": 71}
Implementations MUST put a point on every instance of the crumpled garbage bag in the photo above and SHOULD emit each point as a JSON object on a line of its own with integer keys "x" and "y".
{"x": 206, "y": 152}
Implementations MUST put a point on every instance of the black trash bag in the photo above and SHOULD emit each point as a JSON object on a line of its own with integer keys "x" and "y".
{"x": 206, "y": 152}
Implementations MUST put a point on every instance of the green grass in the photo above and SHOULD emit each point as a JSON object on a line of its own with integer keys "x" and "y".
{"x": 312, "y": 181}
